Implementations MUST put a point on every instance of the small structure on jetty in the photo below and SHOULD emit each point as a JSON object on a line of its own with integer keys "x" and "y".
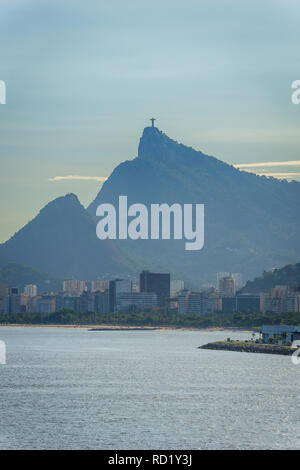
{"x": 280, "y": 334}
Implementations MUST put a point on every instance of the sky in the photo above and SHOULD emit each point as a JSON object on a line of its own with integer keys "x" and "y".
{"x": 84, "y": 77}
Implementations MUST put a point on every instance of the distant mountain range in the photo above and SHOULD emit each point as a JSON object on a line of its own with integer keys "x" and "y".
{"x": 251, "y": 222}
{"x": 287, "y": 276}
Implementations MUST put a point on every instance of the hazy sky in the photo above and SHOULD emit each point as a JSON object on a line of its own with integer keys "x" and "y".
{"x": 84, "y": 77}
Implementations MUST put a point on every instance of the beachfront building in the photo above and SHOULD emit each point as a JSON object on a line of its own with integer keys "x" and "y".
{"x": 280, "y": 334}
{"x": 198, "y": 303}
{"x": 227, "y": 286}
{"x": 99, "y": 286}
{"x": 176, "y": 287}
{"x": 30, "y": 290}
{"x": 74, "y": 287}
{"x": 280, "y": 301}
{"x": 127, "y": 301}
{"x": 159, "y": 283}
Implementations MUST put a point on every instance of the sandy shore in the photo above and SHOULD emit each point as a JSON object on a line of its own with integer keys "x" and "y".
{"x": 102, "y": 327}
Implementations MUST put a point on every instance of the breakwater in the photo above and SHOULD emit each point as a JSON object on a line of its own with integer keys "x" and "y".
{"x": 249, "y": 347}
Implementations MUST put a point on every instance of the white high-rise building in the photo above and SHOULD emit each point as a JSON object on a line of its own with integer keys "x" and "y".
{"x": 74, "y": 287}
{"x": 176, "y": 286}
{"x": 237, "y": 277}
{"x": 30, "y": 290}
{"x": 227, "y": 286}
{"x": 99, "y": 286}
{"x": 221, "y": 275}
{"x": 238, "y": 280}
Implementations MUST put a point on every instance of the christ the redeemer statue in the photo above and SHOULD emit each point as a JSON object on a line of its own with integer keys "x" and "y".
{"x": 152, "y": 120}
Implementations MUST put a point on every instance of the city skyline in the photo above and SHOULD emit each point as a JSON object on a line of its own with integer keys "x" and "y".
{"x": 153, "y": 292}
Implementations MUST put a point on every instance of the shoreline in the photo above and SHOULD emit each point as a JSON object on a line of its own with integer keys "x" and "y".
{"x": 108, "y": 327}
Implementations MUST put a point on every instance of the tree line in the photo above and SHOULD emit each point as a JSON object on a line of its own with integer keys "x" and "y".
{"x": 153, "y": 318}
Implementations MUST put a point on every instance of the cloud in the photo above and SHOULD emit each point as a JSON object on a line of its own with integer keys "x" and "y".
{"x": 280, "y": 175}
{"x": 267, "y": 164}
{"x": 266, "y": 169}
{"x": 78, "y": 177}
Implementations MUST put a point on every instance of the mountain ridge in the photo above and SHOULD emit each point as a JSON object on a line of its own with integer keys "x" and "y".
{"x": 243, "y": 211}
{"x": 287, "y": 275}
{"x": 19, "y": 275}
{"x": 251, "y": 222}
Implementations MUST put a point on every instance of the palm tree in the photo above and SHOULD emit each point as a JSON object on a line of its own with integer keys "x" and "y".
{"x": 284, "y": 336}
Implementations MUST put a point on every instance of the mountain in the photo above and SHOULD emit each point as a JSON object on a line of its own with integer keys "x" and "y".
{"x": 62, "y": 240}
{"x": 287, "y": 276}
{"x": 251, "y": 222}
{"x": 19, "y": 275}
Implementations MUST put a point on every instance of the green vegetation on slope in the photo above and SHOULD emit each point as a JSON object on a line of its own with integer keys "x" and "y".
{"x": 19, "y": 275}
{"x": 288, "y": 275}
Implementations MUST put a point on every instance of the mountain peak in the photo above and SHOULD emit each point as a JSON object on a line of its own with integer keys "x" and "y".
{"x": 246, "y": 216}
{"x": 155, "y": 144}
{"x": 62, "y": 240}
{"x": 69, "y": 198}
{"x": 67, "y": 202}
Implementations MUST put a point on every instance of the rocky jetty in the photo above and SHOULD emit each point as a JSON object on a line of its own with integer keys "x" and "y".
{"x": 249, "y": 347}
